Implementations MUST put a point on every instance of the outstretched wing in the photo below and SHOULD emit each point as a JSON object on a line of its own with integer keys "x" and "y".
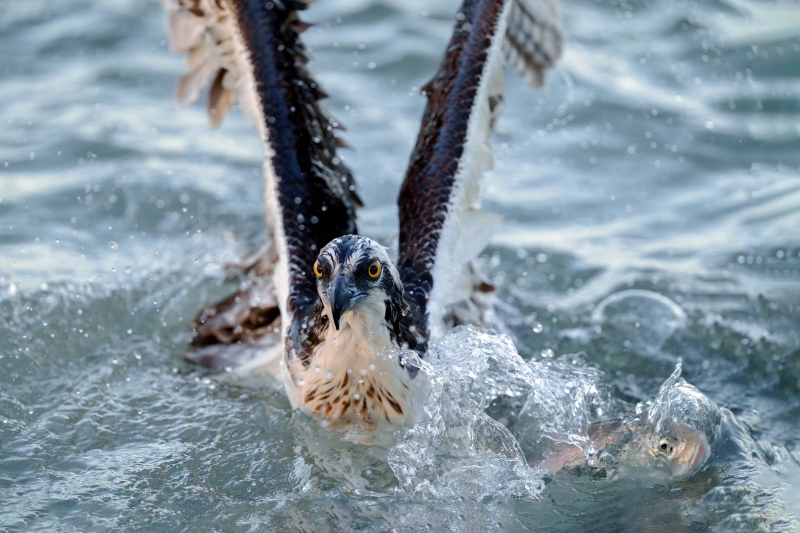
{"x": 251, "y": 49}
{"x": 533, "y": 39}
{"x": 437, "y": 204}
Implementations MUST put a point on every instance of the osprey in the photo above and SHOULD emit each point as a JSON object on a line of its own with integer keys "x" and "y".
{"x": 329, "y": 309}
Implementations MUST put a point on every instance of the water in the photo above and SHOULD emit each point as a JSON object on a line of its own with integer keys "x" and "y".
{"x": 656, "y": 177}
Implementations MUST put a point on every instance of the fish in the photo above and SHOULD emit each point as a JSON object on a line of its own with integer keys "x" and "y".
{"x": 633, "y": 445}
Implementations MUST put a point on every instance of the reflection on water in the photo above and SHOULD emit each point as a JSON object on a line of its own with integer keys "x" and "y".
{"x": 651, "y": 203}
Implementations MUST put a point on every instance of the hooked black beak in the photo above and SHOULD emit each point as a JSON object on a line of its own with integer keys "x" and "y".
{"x": 343, "y": 296}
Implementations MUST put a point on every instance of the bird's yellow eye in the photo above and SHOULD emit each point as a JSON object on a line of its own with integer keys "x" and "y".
{"x": 374, "y": 270}
{"x": 318, "y": 269}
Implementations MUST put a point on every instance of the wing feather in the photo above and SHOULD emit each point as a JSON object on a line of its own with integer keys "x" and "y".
{"x": 453, "y": 151}
{"x": 205, "y": 31}
{"x": 251, "y": 50}
{"x": 534, "y": 39}
{"x": 220, "y": 99}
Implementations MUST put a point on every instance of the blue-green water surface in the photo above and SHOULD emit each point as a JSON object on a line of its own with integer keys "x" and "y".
{"x": 663, "y": 155}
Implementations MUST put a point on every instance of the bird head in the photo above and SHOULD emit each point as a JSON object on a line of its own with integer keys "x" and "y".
{"x": 354, "y": 273}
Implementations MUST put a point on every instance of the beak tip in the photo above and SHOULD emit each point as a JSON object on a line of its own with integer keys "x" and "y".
{"x": 341, "y": 297}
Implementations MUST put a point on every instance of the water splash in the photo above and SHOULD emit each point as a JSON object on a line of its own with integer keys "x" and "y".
{"x": 460, "y": 451}
{"x": 679, "y": 401}
{"x": 647, "y": 318}
{"x": 483, "y": 366}
{"x": 457, "y": 450}
{"x": 565, "y": 397}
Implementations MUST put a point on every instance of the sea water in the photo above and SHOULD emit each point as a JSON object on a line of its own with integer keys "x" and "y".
{"x": 651, "y": 203}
